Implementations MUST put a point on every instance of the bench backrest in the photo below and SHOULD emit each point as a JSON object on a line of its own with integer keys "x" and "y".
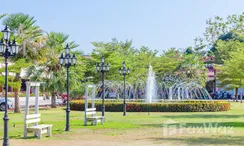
{"x": 34, "y": 118}
{"x": 90, "y": 111}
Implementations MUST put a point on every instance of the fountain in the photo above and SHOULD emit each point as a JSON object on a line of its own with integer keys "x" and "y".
{"x": 151, "y": 86}
{"x": 171, "y": 88}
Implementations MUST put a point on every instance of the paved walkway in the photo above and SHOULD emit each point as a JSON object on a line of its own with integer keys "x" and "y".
{"x": 32, "y": 101}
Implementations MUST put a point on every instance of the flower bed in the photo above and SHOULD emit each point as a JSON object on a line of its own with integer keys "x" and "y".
{"x": 190, "y": 106}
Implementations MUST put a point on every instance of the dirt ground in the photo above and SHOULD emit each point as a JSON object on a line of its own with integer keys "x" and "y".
{"x": 135, "y": 137}
{"x": 86, "y": 137}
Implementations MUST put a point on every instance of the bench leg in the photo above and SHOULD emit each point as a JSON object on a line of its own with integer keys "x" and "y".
{"x": 102, "y": 121}
{"x": 39, "y": 132}
{"x": 35, "y": 133}
{"x": 49, "y": 131}
{"x": 95, "y": 122}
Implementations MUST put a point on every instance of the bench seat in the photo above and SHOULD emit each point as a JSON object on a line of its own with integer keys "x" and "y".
{"x": 39, "y": 127}
{"x": 95, "y": 117}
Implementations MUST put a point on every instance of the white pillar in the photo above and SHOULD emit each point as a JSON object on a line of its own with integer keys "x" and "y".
{"x": 93, "y": 96}
{"x": 37, "y": 100}
{"x": 86, "y": 104}
{"x": 27, "y": 98}
{"x": 26, "y": 107}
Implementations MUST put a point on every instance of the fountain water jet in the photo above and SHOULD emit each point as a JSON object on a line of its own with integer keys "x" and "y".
{"x": 151, "y": 86}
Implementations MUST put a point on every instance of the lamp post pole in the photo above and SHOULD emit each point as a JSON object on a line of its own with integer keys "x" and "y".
{"x": 6, "y": 118}
{"x": 7, "y": 49}
{"x": 124, "y": 114}
{"x": 124, "y": 71}
{"x": 68, "y": 106}
{"x": 67, "y": 61}
{"x": 103, "y": 95}
{"x": 103, "y": 67}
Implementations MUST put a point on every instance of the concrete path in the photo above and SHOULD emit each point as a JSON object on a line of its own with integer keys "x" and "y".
{"x": 32, "y": 101}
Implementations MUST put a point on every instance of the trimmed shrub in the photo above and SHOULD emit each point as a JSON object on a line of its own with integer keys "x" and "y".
{"x": 190, "y": 106}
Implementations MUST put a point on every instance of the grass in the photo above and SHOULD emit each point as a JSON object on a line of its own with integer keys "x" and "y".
{"x": 117, "y": 125}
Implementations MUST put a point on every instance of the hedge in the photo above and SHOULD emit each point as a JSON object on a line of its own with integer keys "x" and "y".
{"x": 190, "y": 106}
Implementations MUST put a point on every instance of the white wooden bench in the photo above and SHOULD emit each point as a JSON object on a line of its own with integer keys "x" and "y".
{"x": 37, "y": 129}
{"x": 90, "y": 117}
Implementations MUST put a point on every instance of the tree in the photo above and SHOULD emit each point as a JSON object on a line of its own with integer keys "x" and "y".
{"x": 189, "y": 50}
{"x": 192, "y": 68}
{"x": 23, "y": 25}
{"x": 218, "y": 28}
{"x": 231, "y": 73}
{"x": 28, "y": 35}
{"x": 115, "y": 53}
{"x": 223, "y": 48}
{"x": 50, "y": 71}
{"x": 2, "y": 16}
{"x": 168, "y": 62}
{"x": 233, "y": 36}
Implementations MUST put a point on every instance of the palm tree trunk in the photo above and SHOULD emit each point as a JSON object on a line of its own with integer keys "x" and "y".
{"x": 53, "y": 101}
{"x": 16, "y": 95}
{"x": 3, "y": 93}
{"x": 23, "y": 46}
{"x": 16, "y": 101}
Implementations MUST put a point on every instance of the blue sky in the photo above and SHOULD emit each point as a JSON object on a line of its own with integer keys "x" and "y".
{"x": 157, "y": 24}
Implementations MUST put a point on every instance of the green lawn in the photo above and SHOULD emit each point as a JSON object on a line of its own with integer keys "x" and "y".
{"x": 117, "y": 125}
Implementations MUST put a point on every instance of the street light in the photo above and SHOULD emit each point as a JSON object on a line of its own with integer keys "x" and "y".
{"x": 103, "y": 67}
{"x": 7, "y": 48}
{"x": 67, "y": 60}
{"x": 124, "y": 71}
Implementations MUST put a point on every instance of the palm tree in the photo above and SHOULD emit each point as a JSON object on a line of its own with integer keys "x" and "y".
{"x": 23, "y": 25}
{"x": 32, "y": 43}
{"x": 51, "y": 71}
{"x": 2, "y": 15}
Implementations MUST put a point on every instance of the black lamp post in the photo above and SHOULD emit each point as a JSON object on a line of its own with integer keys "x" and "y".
{"x": 67, "y": 60}
{"x": 124, "y": 71}
{"x": 103, "y": 67}
{"x": 7, "y": 49}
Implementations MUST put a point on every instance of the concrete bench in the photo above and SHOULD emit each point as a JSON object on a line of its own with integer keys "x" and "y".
{"x": 90, "y": 117}
{"x": 37, "y": 129}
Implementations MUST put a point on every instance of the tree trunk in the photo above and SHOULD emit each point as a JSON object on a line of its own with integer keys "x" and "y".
{"x": 241, "y": 95}
{"x": 16, "y": 95}
{"x": 16, "y": 101}
{"x": 20, "y": 33}
{"x": 236, "y": 94}
{"x": 3, "y": 91}
{"x": 53, "y": 101}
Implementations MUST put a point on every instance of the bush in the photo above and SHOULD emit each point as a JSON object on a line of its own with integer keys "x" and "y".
{"x": 189, "y": 106}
